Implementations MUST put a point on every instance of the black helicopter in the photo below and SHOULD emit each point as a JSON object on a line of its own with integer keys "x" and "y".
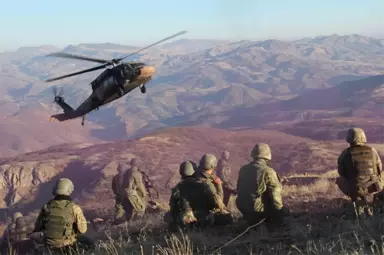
{"x": 110, "y": 85}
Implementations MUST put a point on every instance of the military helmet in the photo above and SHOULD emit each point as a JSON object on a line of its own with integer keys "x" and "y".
{"x": 186, "y": 168}
{"x": 134, "y": 162}
{"x": 208, "y": 161}
{"x": 356, "y": 136}
{"x": 225, "y": 155}
{"x": 261, "y": 150}
{"x": 15, "y": 216}
{"x": 20, "y": 223}
{"x": 193, "y": 164}
{"x": 64, "y": 186}
{"x": 121, "y": 168}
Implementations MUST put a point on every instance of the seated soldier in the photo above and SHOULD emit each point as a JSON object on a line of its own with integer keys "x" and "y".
{"x": 206, "y": 168}
{"x": 62, "y": 221}
{"x": 191, "y": 201}
{"x": 15, "y": 233}
{"x": 259, "y": 190}
{"x": 361, "y": 173}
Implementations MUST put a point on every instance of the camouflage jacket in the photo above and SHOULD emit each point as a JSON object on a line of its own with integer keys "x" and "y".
{"x": 216, "y": 187}
{"x": 191, "y": 195}
{"x": 79, "y": 225}
{"x": 133, "y": 181}
{"x": 224, "y": 173}
{"x": 258, "y": 188}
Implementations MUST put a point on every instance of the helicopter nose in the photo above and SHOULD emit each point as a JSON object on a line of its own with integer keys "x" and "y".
{"x": 147, "y": 71}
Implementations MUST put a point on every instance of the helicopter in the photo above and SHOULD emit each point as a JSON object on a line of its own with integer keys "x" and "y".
{"x": 113, "y": 83}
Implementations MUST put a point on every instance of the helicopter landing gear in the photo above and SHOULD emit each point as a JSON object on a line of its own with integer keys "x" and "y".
{"x": 143, "y": 89}
{"x": 82, "y": 120}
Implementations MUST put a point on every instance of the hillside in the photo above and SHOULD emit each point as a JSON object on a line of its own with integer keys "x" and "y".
{"x": 202, "y": 81}
{"x": 334, "y": 109}
{"x": 26, "y": 179}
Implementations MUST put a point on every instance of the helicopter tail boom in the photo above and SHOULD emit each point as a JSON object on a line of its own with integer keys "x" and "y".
{"x": 60, "y": 117}
{"x": 66, "y": 107}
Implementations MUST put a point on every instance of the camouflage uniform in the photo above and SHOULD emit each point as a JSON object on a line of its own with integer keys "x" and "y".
{"x": 361, "y": 172}
{"x": 62, "y": 221}
{"x": 259, "y": 189}
{"x": 135, "y": 194}
{"x": 207, "y": 165}
{"x": 15, "y": 233}
{"x": 117, "y": 183}
{"x": 191, "y": 201}
{"x": 224, "y": 173}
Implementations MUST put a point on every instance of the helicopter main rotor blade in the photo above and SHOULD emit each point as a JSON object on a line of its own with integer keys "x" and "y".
{"x": 77, "y": 73}
{"x": 153, "y": 44}
{"x": 74, "y": 56}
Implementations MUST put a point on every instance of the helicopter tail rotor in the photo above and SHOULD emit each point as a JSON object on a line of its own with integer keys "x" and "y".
{"x": 57, "y": 95}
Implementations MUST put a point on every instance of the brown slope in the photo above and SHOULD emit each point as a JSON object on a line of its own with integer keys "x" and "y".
{"x": 28, "y": 179}
{"x": 31, "y": 130}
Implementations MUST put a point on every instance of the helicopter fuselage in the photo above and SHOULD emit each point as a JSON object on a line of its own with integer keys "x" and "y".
{"x": 110, "y": 85}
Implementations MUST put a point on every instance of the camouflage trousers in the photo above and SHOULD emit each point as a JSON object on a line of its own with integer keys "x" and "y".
{"x": 204, "y": 219}
{"x": 119, "y": 209}
{"x": 274, "y": 220}
{"x": 82, "y": 243}
{"x": 130, "y": 212}
{"x": 362, "y": 206}
{"x": 222, "y": 218}
{"x": 227, "y": 193}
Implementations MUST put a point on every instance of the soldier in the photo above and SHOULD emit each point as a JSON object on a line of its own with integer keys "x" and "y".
{"x": 62, "y": 221}
{"x": 224, "y": 173}
{"x": 117, "y": 183}
{"x": 191, "y": 201}
{"x": 360, "y": 170}
{"x": 135, "y": 194}
{"x": 259, "y": 190}
{"x": 148, "y": 184}
{"x": 207, "y": 165}
{"x": 15, "y": 232}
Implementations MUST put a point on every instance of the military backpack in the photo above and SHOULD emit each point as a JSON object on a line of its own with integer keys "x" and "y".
{"x": 59, "y": 219}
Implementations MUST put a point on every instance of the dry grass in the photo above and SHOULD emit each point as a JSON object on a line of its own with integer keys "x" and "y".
{"x": 316, "y": 226}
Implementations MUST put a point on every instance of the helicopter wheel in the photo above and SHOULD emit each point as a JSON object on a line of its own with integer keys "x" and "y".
{"x": 82, "y": 121}
{"x": 143, "y": 89}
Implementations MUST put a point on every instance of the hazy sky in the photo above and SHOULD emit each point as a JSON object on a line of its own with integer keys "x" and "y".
{"x": 37, "y": 22}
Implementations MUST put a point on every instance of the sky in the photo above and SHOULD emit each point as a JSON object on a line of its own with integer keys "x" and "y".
{"x": 60, "y": 23}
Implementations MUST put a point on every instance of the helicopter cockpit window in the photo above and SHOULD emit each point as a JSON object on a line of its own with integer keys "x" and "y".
{"x": 109, "y": 81}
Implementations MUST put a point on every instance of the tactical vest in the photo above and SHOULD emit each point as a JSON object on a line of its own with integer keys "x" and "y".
{"x": 362, "y": 160}
{"x": 118, "y": 183}
{"x": 59, "y": 220}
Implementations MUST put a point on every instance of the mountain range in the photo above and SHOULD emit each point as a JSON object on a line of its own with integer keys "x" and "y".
{"x": 281, "y": 85}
